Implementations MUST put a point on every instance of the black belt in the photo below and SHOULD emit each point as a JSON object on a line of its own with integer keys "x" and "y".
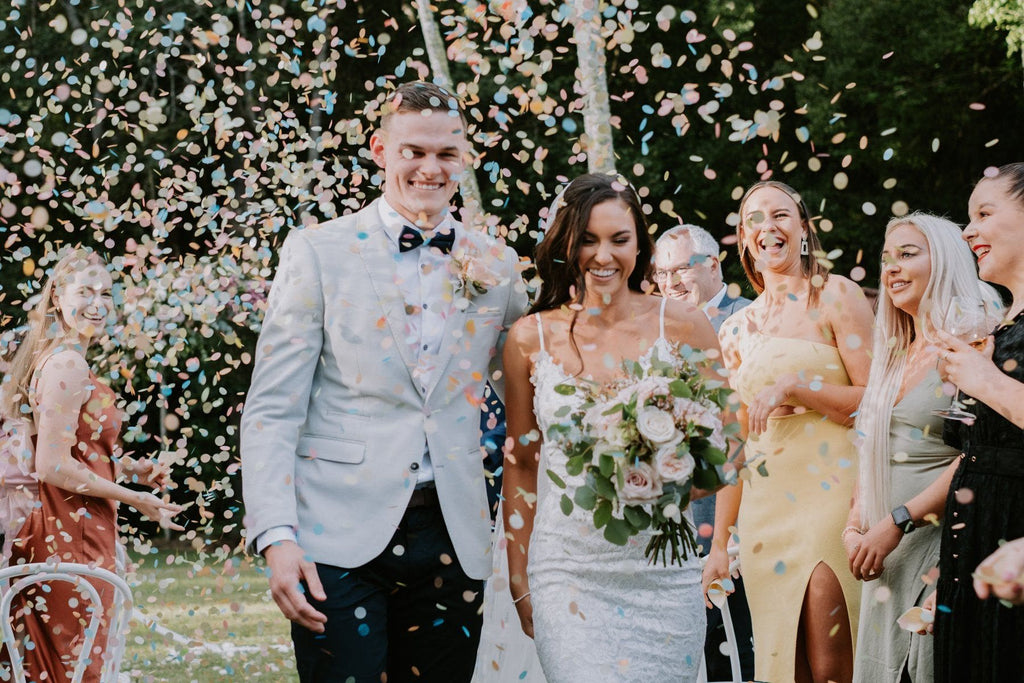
{"x": 425, "y": 496}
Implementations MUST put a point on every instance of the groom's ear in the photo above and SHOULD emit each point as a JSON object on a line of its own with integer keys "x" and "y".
{"x": 377, "y": 147}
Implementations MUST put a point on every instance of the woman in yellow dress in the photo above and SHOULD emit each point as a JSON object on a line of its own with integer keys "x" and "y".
{"x": 799, "y": 358}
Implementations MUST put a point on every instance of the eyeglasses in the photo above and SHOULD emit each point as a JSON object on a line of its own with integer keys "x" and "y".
{"x": 676, "y": 274}
{"x": 672, "y": 275}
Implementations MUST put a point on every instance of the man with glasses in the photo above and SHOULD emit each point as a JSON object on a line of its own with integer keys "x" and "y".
{"x": 687, "y": 267}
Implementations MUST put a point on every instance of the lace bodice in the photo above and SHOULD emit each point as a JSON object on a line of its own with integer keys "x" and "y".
{"x": 549, "y": 373}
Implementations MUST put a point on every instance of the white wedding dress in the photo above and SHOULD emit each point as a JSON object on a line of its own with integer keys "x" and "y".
{"x": 601, "y": 612}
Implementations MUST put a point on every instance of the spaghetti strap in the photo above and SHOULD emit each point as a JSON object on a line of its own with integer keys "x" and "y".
{"x": 540, "y": 332}
{"x": 661, "y": 318}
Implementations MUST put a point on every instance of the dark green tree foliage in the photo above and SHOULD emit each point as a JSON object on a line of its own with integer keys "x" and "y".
{"x": 911, "y": 104}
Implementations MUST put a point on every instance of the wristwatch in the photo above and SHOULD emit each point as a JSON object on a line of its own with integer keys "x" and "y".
{"x": 902, "y": 519}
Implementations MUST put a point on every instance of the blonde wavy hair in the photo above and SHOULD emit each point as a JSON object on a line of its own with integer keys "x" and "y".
{"x": 953, "y": 273}
{"x": 46, "y": 331}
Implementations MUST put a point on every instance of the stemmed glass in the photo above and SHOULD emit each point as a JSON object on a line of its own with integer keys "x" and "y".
{"x": 967, "y": 320}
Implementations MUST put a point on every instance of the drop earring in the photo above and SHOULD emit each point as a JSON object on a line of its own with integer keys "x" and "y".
{"x": 803, "y": 247}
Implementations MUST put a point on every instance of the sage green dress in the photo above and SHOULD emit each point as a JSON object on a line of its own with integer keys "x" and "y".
{"x": 917, "y": 456}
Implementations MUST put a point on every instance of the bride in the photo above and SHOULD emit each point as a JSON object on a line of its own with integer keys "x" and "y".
{"x": 596, "y": 611}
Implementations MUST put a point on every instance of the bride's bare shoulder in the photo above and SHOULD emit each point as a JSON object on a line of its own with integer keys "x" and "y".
{"x": 525, "y": 332}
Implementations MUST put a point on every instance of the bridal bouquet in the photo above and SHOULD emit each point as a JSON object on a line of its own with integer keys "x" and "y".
{"x": 642, "y": 444}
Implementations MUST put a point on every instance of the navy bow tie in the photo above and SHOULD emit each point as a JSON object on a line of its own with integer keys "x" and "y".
{"x": 413, "y": 239}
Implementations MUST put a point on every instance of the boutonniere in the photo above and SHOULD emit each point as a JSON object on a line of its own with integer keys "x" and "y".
{"x": 474, "y": 268}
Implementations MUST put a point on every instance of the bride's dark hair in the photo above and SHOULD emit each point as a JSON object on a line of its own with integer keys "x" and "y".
{"x": 557, "y": 256}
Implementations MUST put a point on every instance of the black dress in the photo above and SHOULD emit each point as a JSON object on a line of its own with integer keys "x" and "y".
{"x": 982, "y": 640}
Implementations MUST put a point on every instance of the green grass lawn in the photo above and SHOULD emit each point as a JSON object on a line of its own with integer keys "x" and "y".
{"x": 221, "y": 606}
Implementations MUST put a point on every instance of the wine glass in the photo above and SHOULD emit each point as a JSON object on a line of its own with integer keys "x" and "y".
{"x": 967, "y": 320}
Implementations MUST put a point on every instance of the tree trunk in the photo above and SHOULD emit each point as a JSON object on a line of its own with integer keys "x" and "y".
{"x": 438, "y": 58}
{"x": 597, "y": 125}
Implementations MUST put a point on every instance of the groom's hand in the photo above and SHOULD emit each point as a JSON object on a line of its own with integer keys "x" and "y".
{"x": 289, "y": 566}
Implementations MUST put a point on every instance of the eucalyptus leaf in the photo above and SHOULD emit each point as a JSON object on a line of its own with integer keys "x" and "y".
{"x": 680, "y": 389}
{"x": 585, "y": 497}
{"x": 604, "y": 488}
{"x": 557, "y": 479}
{"x": 715, "y": 456}
{"x": 566, "y": 505}
{"x": 574, "y": 465}
{"x": 636, "y": 516}
{"x": 617, "y": 531}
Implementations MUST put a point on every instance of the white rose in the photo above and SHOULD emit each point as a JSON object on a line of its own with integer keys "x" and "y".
{"x": 657, "y": 426}
{"x": 640, "y": 485}
{"x": 671, "y": 467}
{"x": 673, "y": 512}
{"x": 685, "y": 409}
{"x": 649, "y": 387}
{"x": 606, "y": 427}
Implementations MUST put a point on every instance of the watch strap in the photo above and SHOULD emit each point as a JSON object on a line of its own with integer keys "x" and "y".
{"x": 902, "y": 519}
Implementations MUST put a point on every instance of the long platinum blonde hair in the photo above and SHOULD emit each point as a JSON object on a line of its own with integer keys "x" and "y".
{"x": 953, "y": 273}
{"x": 46, "y": 331}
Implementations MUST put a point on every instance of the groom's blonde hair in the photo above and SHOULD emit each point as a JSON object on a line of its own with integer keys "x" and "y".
{"x": 420, "y": 96}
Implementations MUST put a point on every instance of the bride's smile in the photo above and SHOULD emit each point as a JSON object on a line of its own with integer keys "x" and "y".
{"x": 608, "y": 249}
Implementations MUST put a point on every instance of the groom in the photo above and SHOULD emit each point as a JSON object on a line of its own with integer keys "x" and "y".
{"x": 363, "y": 474}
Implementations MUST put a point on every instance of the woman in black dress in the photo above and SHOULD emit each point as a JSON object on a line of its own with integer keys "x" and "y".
{"x": 983, "y": 640}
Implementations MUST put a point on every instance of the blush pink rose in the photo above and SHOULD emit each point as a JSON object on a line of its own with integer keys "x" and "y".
{"x": 671, "y": 467}
{"x": 640, "y": 485}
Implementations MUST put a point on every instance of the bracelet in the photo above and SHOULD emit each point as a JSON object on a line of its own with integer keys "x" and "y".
{"x": 847, "y": 530}
{"x": 524, "y": 595}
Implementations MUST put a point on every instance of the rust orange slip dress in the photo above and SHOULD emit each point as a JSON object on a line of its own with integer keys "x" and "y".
{"x": 50, "y": 619}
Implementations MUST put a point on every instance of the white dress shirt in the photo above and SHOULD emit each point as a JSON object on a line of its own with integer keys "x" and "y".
{"x": 712, "y": 304}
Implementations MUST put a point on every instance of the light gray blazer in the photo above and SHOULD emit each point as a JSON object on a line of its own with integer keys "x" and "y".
{"x": 334, "y": 419}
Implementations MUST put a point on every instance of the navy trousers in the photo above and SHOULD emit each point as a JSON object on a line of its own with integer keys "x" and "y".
{"x": 410, "y": 614}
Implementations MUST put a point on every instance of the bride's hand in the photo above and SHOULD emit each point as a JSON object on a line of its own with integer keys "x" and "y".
{"x": 525, "y": 610}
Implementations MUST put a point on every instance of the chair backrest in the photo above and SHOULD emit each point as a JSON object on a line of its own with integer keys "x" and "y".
{"x": 24, "y": 575}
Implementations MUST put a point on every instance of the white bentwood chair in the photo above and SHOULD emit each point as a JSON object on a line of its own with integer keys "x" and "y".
{"x": 24, "y": 575}
{"x": 718, "y": 594}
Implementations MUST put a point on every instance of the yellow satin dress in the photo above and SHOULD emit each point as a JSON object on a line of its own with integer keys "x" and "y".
{"x": 795, "y": 502}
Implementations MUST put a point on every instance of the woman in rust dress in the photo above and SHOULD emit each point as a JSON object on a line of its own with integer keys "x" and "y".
{"x": 76, "y": 423}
